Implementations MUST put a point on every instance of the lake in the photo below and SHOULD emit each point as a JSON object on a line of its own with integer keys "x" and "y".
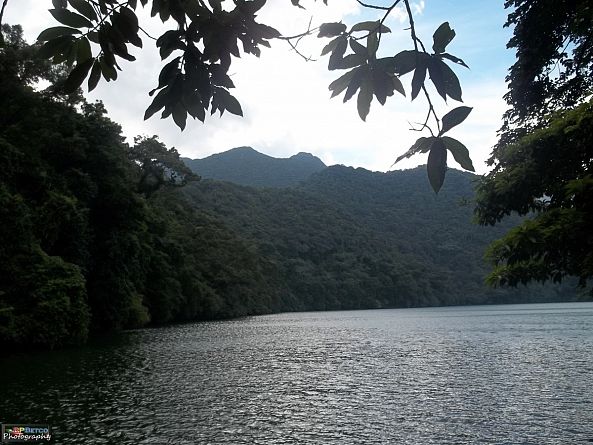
{"x": 514, "y": 374}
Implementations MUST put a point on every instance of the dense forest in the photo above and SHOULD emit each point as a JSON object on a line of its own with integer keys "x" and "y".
{"x": 349, "y": 238}
{"x": 86, "y": 245}
{"x": 98, "y": 234}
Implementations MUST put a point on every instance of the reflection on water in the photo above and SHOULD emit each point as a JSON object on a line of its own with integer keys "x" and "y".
{"x": 518, "y": 374}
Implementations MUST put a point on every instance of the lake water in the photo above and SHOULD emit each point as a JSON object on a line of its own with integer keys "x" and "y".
{"x": 517, "y": 374}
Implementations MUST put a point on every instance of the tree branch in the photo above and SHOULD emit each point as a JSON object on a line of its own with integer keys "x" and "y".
{"x": 298, "y": 38}
{"x": 4, "y": 3}
{"x": 147, "y": 35}
{"x": 417, "y": 41}
{"x": 366, "y": 5}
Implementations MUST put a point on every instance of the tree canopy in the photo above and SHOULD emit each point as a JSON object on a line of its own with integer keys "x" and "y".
{"x": 95, "y": 234}
{"x": 543, "y": 162}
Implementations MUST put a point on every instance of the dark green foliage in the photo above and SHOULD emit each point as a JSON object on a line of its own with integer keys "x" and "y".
{"x": 554, "y": 64}
{"x": 548, "y": 174}
{"x": 351, "y": 239}
{"x": 92, "y": 237}
{"x": 542, "y": 164}
{"x": 157, "y": 166}
{"x": 245, "y": 166}
{"x": 45, "y": 302}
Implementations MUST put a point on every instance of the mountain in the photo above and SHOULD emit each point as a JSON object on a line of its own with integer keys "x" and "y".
{"x": 246, "y": 166}
{"x": 350, "y": 239}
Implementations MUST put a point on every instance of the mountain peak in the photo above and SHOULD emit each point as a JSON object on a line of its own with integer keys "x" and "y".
{"x": 242, "y": 149}
{"x": 246, "y": 166}
{"x": 303, "y": 154}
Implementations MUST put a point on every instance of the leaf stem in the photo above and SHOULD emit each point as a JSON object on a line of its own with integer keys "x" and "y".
{"x": 367, "y": 5}
{"x": 417, "y": 41}
{"x": 298, "y": 38}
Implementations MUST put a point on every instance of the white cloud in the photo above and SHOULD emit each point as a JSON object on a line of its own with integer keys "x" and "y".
{"x": 418, "y": 7}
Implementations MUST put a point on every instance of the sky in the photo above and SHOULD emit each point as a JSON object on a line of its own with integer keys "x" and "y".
{"x": 286, "y": 102}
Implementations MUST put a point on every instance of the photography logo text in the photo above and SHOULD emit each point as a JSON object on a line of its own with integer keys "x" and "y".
{"x": 21, "y": 433}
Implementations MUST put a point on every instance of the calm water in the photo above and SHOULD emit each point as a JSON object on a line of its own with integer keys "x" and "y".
{"x": 519, "y": 374}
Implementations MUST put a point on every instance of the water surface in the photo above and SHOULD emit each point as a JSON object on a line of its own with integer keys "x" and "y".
{"x": 517, "y": 374}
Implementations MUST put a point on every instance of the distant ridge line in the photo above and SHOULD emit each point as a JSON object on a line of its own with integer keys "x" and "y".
{"x": 247, "y": 166}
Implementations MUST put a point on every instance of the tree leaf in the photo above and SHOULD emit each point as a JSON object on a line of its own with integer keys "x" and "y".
{"x": 331, "y": 45}
{"x": 422, "y": 145}
{"x": 460, "y": 153}
{"x": 351, "y": 60}
{"x": 55, "y": 46}
{"x": 180, "y": 115}
{"x": 108, "y": 70}
{"x": 358, "y": 48}
{"x": 341, "y": 83}
{"x": 56, "y": 31}
{"x": 437, "y": 77}
{"x": 93, "y": 36}
{"x": 64, "y": 53}
{"x": 337, "y": 54}
{"x": 453, "y": 59}
{"x": 444, "y": 79}
{"x": 129, "y": 22}
{"x": 84, "y": 8}
{"x": 397, "y": 85}
{"x": 442, "y": 37}
{"x": 383, "y": 85}
{"x": 232, "y": 105}
{"x": 83, "y": 50}
{"x": 454, "y": 118}
{"x": 331, "y": 29}
{"x": 77, "y": 76}
{"x": 452, "y": 85}
{"x": 405, "y": 61}
{"x": 355, "y": 82}
{"x": 70, "y": 18}
{"x": 169, "y": 73}
{"x": 365, "y": 97}
{"x": 372, "y": 45}
{"x": 370, "y": 26}
{"x": 194, "y": 106}
{"x": 419, "y": 77}
{"x": 158, "y": 102}
{"x": 95, "y": 76}
{"x": 437, "y": 164}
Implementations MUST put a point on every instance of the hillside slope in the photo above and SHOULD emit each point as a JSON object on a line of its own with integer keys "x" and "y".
{"x": 349, "y": 239}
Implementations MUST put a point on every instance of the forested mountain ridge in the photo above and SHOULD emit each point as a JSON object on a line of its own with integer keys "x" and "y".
{"x": 246, "y": 166}
{"x": 349, "y": 238}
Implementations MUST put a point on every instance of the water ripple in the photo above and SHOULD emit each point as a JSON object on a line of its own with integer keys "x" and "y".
{"x": 482, "y": 375}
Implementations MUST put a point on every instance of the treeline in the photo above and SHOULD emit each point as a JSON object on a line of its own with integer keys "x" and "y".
{"x": 94, "y": 233}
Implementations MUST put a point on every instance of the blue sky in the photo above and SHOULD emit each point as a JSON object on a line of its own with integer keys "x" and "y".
{"x": 286, "y": 101}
